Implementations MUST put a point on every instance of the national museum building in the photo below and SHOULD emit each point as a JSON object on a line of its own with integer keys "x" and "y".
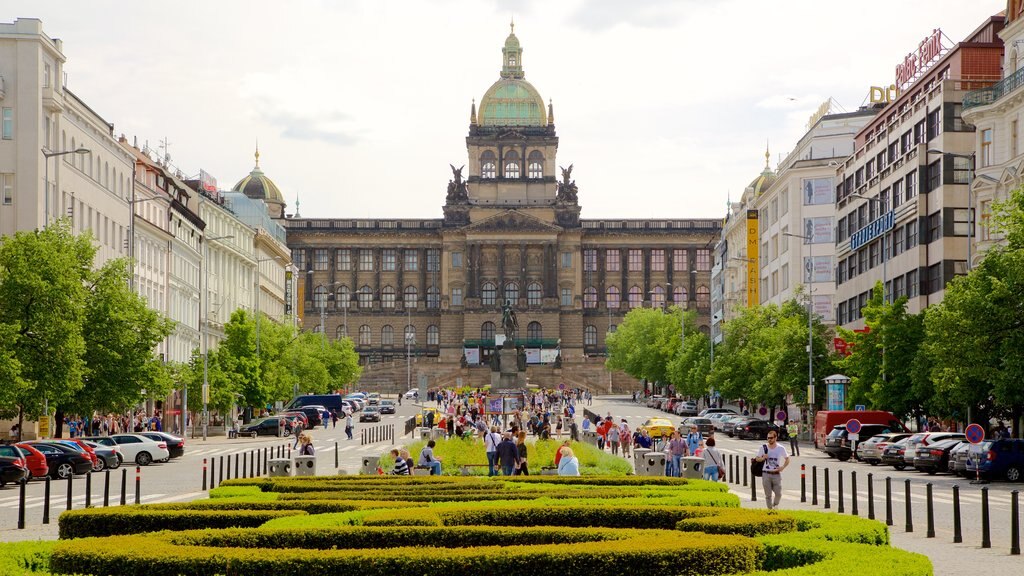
{"x": 433, "y": 289}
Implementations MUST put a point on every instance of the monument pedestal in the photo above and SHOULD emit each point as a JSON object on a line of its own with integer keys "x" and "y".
{"x": 508, "y": 374}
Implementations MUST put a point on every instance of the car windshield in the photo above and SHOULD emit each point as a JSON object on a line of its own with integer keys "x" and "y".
{"x": 836, "y": 432}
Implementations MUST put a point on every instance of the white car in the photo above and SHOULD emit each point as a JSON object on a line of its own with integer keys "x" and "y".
{"x": 414, "y": 393}
{"x": 135, "y": 448}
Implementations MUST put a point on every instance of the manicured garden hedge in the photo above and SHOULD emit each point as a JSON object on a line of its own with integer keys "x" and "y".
{"x": 133, "y": 520}
{"x": 19, "y": 558}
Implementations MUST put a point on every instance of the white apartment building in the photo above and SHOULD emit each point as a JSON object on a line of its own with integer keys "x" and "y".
{"x": 272, "y": 254}
{"x": 230, "y": 258}
{"x": 38, "y": 113}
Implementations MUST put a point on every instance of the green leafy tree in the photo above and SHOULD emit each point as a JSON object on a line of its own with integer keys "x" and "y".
{"x": 645, "y": 343}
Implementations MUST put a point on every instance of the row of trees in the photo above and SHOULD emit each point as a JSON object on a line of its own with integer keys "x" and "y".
{"x": 962, "y": 358}
{"x": 78, "y": 339}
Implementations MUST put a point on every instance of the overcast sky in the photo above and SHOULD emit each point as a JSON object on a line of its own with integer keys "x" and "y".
{"x": 663, "y": 106}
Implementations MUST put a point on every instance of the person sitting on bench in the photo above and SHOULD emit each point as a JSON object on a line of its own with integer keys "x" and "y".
{"x": 428, "y": 459}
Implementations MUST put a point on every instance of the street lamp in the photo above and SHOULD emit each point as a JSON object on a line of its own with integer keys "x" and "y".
{"x": 46, "y": 178}
{"x": 970, "y": 198}
{"x": 810, "y": 334}
{"x": 885, "y": 261}
{"x": 205, "y": 301}
{"x": 410, "y": 337}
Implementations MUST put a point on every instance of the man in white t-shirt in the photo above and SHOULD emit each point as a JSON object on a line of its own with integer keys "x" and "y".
{"x": 775, "y": 460}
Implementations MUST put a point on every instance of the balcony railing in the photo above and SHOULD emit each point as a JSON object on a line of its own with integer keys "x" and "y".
{"x": 994, "y": 92}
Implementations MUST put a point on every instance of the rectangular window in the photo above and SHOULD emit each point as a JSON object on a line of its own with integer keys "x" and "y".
{"x": 911, "y": 234}
{"x": 433, "y": 260}
{"x": 961, "y": 218}
{"x": 679, "y": 263}
{"x": 841, "y": 313}
{"x": 913, "y": 288}
{"x": 320, "y": 259}
{"x": 784, "y": 201}
{"x": 899, "y": 237}
{"x": 344, "y": 259}
{"x": 785, "y": 240}
{"x": 934, "y": 230}
{"x": 961, "y": 169}
{"x": 841, "y": 272}
{"x": 46, "y": 75}
{"x": 873, "y": 254}
{"x": 703, "y": 259}
{"x": 934, "y": 176}
{"x": 933, "y": 281}
{"x": 456, "y": 296}
{"x": 6, "y": 189}
{"x": 658, "y": 260}
{"x": 919, "y": 132}
{"x": 366, "y": 260}
{"x": 566, "y": 259}
{"x": 934, "y": 119}
{"x": 387, "y": 260}
{"x": 298, "y": 257}
{"x": 785, "y": 277}
{"x": 456, "y": 259}
{"x": 566, "y": 296}
{"x": 612, "y": 260}
{"x": 412, "y": 260}
{"x": 862, "y": 260}
{"x": 986, "y": 147}
{"x": 897, "y": 193}
{"x": 8, "y": 124}
{"x": 590, "y": 260}
{"x": 636, "y": 260}
{"x": 911, "y": 185}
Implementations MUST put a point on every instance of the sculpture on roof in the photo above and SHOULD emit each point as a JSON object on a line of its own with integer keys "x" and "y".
{"x": 457, "y": 192}
{"x": 567, "y": 191}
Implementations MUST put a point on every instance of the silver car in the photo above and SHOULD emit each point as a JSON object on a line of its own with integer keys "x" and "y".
{"x": 870, "y": 450}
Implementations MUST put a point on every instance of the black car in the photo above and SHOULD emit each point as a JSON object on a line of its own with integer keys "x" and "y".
{"x": 268, "y": 426}
{"x": 63, "y": 460}
{"x": 370, "y": 414}
{"x": 733, "y": 424}
{"x": 313, "y": 415}
{"x": 933, "y": 458}
{"x": 175, "y": 444}
{"x": 894, "y": 454}
{"x": 12, "y": 470}
{"x": 387, "y": 406}
{"x": 838, "y": 444}
{"x": 758, "y": 430}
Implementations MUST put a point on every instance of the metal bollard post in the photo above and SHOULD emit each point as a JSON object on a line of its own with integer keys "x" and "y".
{"x": 213, "y": 472}
{"x": 264, "y": 460}
{"x": 253, "y": 456}
{"x": 909, "y": 512}
{"x": 88, "y": 489}
{"x": 930, "y": 511}
{"x": 753, "y": 489}
{"x": 729, "y": 472}
{"x": 391, "y": 432}
{"x": 245, "y": 468}
{"x": 957, "y": 532}
{"x": 828, "y": 493}
{"x": 745, "y": 468}
{"x": 204, "y": 474}
{"x": 839, "y": 477}
{"x": 220, "y": 472}
{"x": 124, "y": 486}
{"x": 362, "y": 437}
{"x": 888, "y": 501}
{"x": 21, "y": 504}
{"x": 853, "y": 493}
{"x": 106, "y": 488}
{"x": 289, "y": 451}
{"x": 236, "y": 465}
{"x": 803, "y": 483}
{"x": 986, "y": 536}
{"x": 871, "y": 496}
{"x": 1014, "y": 523}
{"x": 70, "y": 489}
{"x": 138, "y": 485}
{"x": 335, "y": 454}
{"x": 46, "y": 500}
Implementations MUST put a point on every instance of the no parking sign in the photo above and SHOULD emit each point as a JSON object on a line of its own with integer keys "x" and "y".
{"x": 853, "y": 429}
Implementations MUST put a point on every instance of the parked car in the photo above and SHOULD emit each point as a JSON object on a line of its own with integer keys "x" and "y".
{"x": 267, "y": 426}
{"x": 12, "y": 470}
{"x": 687, "y": 408}
{"x": 135, "y": 448}
{"x": 920, "y": 439}
{"x": 704, "y": 425}
{"x": 329, "y": 401}
{"x": 387, "y": 406}
{"x": 412, "y": 393}
{"x": 758, "y": 430}
{"x": 106, "y": 456}
{"x": 838, "y": 444}
{"x": 175, "y": 444}
{"x": 731, "y": 424}
{"x": 370, "y": 414}
{"x": 935, "y": 458}
{"x": 293, "y": 414}
{"x": 894, "y": 453}
{"x": 63, "y": 460}
{"x": 655, "y": 401}
{"x": 34, "y": 459}
{"x": 999, "y": 459}
{"x": 826, "y": 420}
{"x": 79, "y": 444}
{"x": 314, "y": 415}
{"x": 958, "y": 459}
{"x": 707, "y": 412}
{"x": 658, "y": 427}
{"x": 373, "y": 399}
{"x": 870, "y": 450}
{"x": 718, "y": 420}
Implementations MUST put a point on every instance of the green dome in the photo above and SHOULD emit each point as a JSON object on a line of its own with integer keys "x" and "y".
{"x": 512, "y": 102}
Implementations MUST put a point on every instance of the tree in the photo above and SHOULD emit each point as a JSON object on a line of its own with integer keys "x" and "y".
{"x": 646, "y": 343}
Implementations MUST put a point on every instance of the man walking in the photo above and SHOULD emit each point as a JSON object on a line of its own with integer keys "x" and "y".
{"x": 491, "y": 440}
{"x": 775, "y": 461}
{"x": 793, "y": 429}
{"x": 507, "y": 454}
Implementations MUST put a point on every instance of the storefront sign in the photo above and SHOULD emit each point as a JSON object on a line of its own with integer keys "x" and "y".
{"x": 288, "y": 292}
{"x": 753, "y": 275}
{"x": 883, "y": 94}
{"x": 873, "y": 230}
{"x": 822, "y": 110}
{"x": 915, "y": 63}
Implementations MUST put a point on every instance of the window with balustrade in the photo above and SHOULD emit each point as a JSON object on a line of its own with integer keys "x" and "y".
{"x": 590, "y": 335}
{"x": 365, "y": 297}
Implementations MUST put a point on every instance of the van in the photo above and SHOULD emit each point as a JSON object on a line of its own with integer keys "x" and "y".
{"x": 330, "y": 401}
{"x": 826, "y": 420}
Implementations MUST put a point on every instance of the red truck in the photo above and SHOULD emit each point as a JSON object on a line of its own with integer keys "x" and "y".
{"x": 825, "y": 420}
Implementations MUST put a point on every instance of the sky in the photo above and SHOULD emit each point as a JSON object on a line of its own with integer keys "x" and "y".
{"x": 664, "y": 107}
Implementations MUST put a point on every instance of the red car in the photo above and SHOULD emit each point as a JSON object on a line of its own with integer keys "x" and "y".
{"x": 84, "y": 446}
{"x": 35, "y": 459}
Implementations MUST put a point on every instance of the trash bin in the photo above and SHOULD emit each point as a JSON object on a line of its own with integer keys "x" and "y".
{"x": 437, "y": 434}
{"x": 279, "y": 467}
{"x": 424, "y": 434}
{"x": 590, "y": 437}
{"x": 638, "y": 457}
{"x": 692, "y": 467}
{"x": 305, "y": 465}
{"x": 652, "y": 464}
{"x": 370, "y": 464}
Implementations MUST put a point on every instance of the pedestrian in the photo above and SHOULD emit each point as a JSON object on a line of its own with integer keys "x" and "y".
{"x": 348, "y": 425}
{"x": 334, "y": 418}
{"x": 491, "y": 440}
{"x": 676, "y": 451}
{"x": 793, "y": 429}
{"x": 693, "y": 440}
{"x": 428, "y": 459}
{"x": 775, "y": 461}
{"x": 625, "y": 437}
{"x": 574, "y": 430}
{"x": 401, "y": 467}
{"x": 568, "y": 465}
{"x": 326, "y": 417}
{"x": 714, "y": 464}
{"x": 507, "y": 454}
{"x": 522, "y": 467}
{"x": 614, "y": 438}
{"x": 297, "y": 431}
{"x": 306, "y": 445}
{"x": 558, "y": 427}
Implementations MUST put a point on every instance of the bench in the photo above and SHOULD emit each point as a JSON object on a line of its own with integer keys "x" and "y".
{"x": 548, "y": 471}
{"x": 465, "y": 469}
{"x": 421, "y": 471}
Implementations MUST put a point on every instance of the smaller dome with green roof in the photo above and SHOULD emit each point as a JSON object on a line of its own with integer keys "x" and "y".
{"x": 512, "y": 101}
{"x": 257, "y": 186}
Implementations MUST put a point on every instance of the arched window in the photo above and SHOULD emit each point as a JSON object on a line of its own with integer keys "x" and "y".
{"x": 433, "y": 297}
{"x": 636, "y": 297}
{"x": 512, "y": 293}
{"x": 365, "y": 337}
{"x": 365, "y": 297}
{"x": 410, "y": 335}
{"x": 412, "y": 297}
{"x": 318, "y": 329}
{"x": 658, "y": 297}
{"x": 320, "y": 297}
{"x": 533, "y": 294}
{"x": 512, "y": 167}
{"x": 534, "y": 331}
{"x": 679, "y": 296}
{"x": 590, "y": 335}
{"x": 342, "y": 299}
{"x": 487, "y": 331}
{"x": 387, "y": 336}
{"x": 590, "y": 297}
{"x": 613, "y": 298}
{"x": 341, "y": 332}
{"x": 387, "y": 297}
{"x": 535, "y": 164}
{"x": 433, "y": 335}
{"x": 488, "y": 294}
{"x": 612, "y": 328}
{"x": 703, "y": 297}
{"x": 488, "y": 164}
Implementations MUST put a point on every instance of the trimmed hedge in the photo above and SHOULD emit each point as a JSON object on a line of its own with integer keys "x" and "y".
{"x": 26, "y": 557}
{"x": 133, "y": 520}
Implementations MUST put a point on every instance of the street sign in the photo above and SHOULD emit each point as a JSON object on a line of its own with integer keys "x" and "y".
{"x": 852, "y": 437}
{"x": 853, "y": 426}
{"x": 561, "y": 386}
{"x": 44, "y": 427}
{"x": 780, "y": 415}
{"x": 860, "y": 408}
{"x": 975, "y": 433}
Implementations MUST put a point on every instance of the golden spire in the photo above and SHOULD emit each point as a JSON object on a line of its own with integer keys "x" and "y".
{"x": 767, "y": 155}
{"x": 257, "y": 152}
{"x": 512, "y": 25}
{"x": 551, "y": 113}
{"x": 472, "y": 113}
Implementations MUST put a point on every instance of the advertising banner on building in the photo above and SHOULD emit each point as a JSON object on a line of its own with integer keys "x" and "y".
{"x": 472, "y": 355}
{"x": 822, "y": 306}
{"x": 289, "y": 293}
{"x": 818, "y": 269}
{"x": 819, "y": 230}
{"x": 837, "y": 397}
{"x": 753, "y": 273}
{"x": 818, "y": 191}
{"x": 548, "y": 355}
{"x": 533, "y": 355}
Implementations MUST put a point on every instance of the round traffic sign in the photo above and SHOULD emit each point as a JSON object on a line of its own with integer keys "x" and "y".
{"x": 780, "y": 415}
{"x": 975, "y": 433}
{"x": 561, "y": 386}
{"x": 853, "y": 426}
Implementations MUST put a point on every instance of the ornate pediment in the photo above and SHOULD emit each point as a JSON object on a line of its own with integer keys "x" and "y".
{"x": 512, "y": 134}
{"x": 512, "y": 221}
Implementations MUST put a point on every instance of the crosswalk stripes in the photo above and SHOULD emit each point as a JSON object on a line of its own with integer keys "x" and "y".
{"x": 77, "y": 502}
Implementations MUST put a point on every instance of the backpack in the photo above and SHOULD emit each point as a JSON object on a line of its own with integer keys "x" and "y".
{"x": 757, "y": 467}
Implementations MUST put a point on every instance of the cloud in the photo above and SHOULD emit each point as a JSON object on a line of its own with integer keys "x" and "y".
{"x": 600, "y": 15}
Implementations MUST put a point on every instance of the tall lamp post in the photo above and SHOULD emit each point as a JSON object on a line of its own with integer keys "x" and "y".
{"x": 205, "y": 301}
{"x": 970, "y": 197}
{"x": 46, "y": 177}
{"x": 810, "y": 332}
{"x": 885, "y": 274}
{"x": 410, "y": 338}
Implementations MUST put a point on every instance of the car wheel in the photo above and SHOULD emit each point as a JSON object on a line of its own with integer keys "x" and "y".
{"x": 100, "y": 465}
{"x": 143, "y": 459}
{"x": 900, "y": 467}
{"x": 1013, "y": 474}
{"x": 831, "y": 455}
{"x": 254, "y": 434}
{"x": 873, "y": 462}
{"x": 843, "y": 458}
{"x": 64, "y": 471}
{"x": 932, "y": 471}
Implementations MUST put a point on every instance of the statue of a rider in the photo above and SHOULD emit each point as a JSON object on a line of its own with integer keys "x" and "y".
{"x": 509, "y": 323}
